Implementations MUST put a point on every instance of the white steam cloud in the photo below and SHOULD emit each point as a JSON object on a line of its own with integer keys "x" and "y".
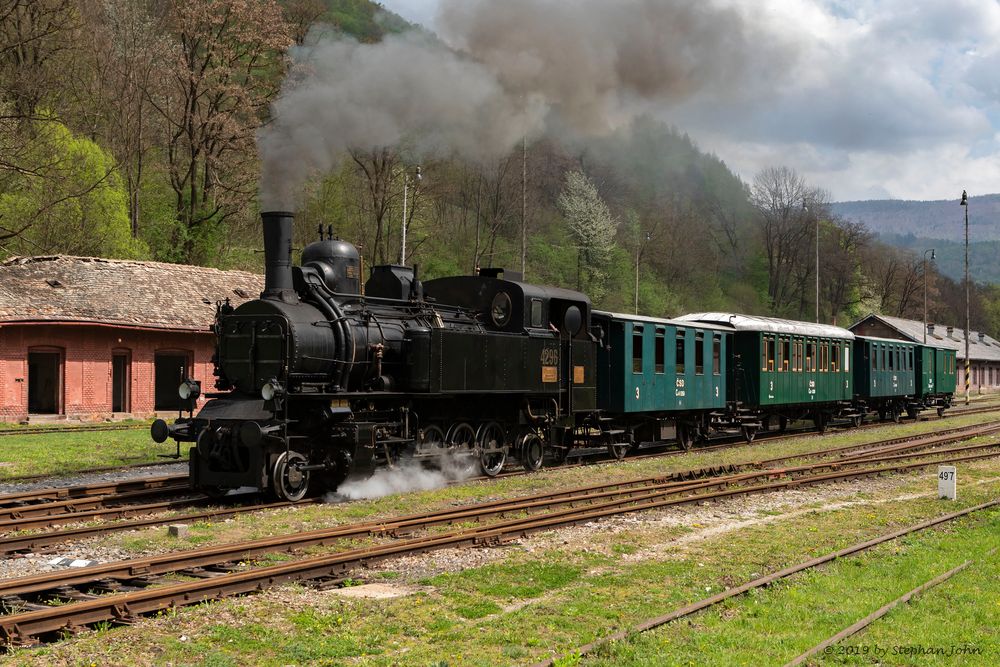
{"x": 506, "y": 70}
{"x": 406, "y": 477}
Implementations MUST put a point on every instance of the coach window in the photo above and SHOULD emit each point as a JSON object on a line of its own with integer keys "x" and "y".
{"x": 786, "y": 354}
{"x": 770, "y": 355}
{"x": 716, "y": 355}
{"x": 699, "y": 354}
{"x": 847, "y": 358}
{"x": 883, "y": 365}
{"x": 835, "y": 357}
{"x": 661, "y": 350}
{"x": 824, "y": 357}
{"x": 763, "y": 353}
{"x": 636, "y": 349}
{"x": 679, "y": 358}
{"x": 909, "y": 365}
{"x": 810, "y": 356}
{"x": 892, "y": 353}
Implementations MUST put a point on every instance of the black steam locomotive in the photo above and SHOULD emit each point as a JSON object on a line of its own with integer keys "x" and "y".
{"x": 319, "y": 379}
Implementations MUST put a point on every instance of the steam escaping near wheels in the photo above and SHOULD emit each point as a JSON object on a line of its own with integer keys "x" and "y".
{"x": 408, "y": 476}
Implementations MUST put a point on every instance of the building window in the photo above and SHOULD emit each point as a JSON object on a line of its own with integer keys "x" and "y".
{"x": 716, "y": 355}
{"x": 45, "y": 381}
{"x": 660, "y": 352}
{"x": 636, "y": 349}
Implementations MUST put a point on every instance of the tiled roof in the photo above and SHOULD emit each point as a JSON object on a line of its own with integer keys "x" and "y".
{"x": 62, "y": 288}
{"x": 987, "y": 349}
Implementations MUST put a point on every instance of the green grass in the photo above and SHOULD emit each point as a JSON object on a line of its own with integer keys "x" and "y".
{"x": 67, "y": 452}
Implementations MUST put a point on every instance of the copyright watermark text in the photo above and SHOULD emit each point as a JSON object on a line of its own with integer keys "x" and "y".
{"x": 875, "y": 650}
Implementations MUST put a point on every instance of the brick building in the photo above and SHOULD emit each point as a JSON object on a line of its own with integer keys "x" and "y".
{"x": 90, "y": 338}
{"x": 984, "y": 351}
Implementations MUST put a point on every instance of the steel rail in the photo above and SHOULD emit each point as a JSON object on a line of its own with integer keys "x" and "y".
{"x": 766, "y": 580}
{"x": 18, "y": 499}
{"x": 18, "y": 543}
{"x": 22, "y": 627}
{"x": 877, "y": 614}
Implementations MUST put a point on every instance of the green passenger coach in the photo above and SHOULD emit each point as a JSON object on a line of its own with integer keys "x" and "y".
{"x": 664, "y": 373}
{"x": 788, "y": 370}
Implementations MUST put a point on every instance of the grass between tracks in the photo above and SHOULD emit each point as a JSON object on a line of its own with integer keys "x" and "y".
{"x": 553, "y": 592}
{"x": 66, "y": 452}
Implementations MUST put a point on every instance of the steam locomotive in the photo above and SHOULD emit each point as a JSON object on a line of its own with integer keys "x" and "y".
{"x": 320, "y": 379}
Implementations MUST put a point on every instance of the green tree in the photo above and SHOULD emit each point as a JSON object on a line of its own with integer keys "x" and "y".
{"x": 69, "y": 200}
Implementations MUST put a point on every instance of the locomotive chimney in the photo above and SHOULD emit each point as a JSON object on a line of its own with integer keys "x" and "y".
{"x": 278, "y": 255}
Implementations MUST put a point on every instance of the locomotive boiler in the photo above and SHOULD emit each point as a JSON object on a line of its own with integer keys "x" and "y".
{"x": 321, "y": 378}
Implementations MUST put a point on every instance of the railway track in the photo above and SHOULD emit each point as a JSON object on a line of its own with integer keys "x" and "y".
{"x": 89, "y": 509}
{"x": 82, "y": 428}
{"x": 45, "y": 605}
{"x": 766, "y": 435}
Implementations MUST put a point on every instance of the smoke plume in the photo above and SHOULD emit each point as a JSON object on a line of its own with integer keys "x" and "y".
{"x": 408, "y": 476}
{"x": 506, "y": 70}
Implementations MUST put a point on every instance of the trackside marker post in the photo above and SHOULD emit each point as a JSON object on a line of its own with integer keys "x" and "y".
{"x": 947, "y": 482}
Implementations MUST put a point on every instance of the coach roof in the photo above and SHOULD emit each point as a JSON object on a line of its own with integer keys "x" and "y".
{"x": 768, "y": 324}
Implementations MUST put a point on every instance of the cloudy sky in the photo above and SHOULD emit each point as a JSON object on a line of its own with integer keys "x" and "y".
{"x": 868, "y": 99}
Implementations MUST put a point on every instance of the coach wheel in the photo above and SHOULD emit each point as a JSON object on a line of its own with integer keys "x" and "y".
{"x": 749, "y": 432}
{"x": 857, "y": 420}
{"x": 288, "y": 482}
{"x": 685, "y": 436}
{"x": 618, "y": 450}
{"x": 532, "y": 452}
{"x": 881, "y": 415}
{"x": 940, "y": 412}
{"x": 895, "y": 413}
{"x": 493, "y": 451}
{"x": 819, "y": 419}
{"x": 912, "y": 412}
{"x": 782, "y": 424}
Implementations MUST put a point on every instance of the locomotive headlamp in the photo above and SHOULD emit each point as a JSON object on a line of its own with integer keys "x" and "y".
{"x": 189, "y": 390}
{"x": 271, "y": 389}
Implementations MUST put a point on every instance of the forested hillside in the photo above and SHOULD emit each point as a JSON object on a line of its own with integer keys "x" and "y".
{"x": 128, "y": 128}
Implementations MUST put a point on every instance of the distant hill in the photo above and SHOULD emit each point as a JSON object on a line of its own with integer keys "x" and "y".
{"x": 940, "y": 219}
{"x": 939, "y": 224}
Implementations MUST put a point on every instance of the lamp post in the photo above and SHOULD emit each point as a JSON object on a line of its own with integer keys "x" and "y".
{"x": 406, "y": 183}
{"x": 931, "y": 251}
{"x": 805, "y": 210}
{"x": 965, "y": 203}
{"x": 638, "y": 255}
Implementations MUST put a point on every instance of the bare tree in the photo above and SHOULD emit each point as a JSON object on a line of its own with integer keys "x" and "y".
{"x": 778, "y": 194}
{"x": 220, "y": 85}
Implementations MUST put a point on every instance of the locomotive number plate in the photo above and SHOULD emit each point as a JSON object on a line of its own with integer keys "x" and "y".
{"x": 550, "y": 374}
{"x": 577, "y": 374}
